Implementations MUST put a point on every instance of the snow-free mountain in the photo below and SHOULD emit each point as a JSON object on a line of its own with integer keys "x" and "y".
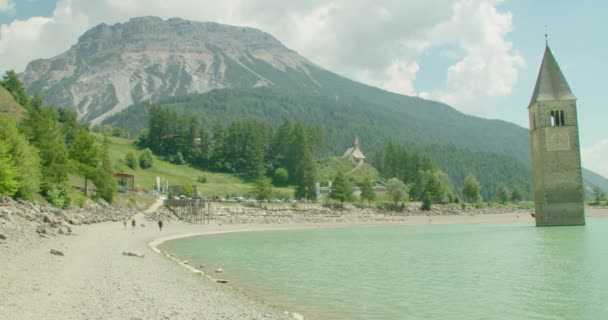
{"x": 112, "y": 67}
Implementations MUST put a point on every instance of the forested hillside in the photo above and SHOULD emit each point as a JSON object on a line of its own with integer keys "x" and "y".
{"x": 437, "y": 130}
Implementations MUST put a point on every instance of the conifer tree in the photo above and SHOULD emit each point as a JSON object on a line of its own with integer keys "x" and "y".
{"x": 85, "y": 156}
{"x": 9, "y": 175}
{"x": 218, "y": 153}
{"x": 341, "y": 189}
{"x": 25, "y": 159}
{"x": 104, "y": 181}
{"x": 44, "y": 132}
{"x": 367, "y": 191}
{"x": 263, "y": 188}
{"x": 12, "y": 84}
{"x": 305, "y": 177}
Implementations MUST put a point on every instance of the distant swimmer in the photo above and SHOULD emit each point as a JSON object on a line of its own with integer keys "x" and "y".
{"x": 160, "y": 225}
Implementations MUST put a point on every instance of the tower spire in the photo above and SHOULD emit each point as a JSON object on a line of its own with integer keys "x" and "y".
{"x": 546, "y": 37}
{"x": 551, "y": 85}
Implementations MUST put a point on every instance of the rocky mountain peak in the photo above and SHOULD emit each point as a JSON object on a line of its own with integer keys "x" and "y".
{"x": 148, "y": 59}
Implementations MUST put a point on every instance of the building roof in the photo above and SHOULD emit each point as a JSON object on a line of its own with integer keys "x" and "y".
{"x": 551, "y": 85}
{"x": 353, "y": 152}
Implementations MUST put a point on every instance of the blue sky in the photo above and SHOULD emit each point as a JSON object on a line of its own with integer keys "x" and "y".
{"x": 407, "y": 47}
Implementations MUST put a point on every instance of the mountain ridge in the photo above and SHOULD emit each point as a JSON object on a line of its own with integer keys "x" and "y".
{"x": 112, "y": 67}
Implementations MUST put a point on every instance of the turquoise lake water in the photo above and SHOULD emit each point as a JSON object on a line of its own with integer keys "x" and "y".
{"x": 484, "y": 271}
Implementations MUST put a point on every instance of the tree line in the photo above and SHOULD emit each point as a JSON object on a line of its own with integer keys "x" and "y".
{"x": 40, "y": 150}
{"x": 252, "y": 148}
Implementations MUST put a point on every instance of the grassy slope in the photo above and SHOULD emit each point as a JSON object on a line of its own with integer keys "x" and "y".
{"x": 218, "y": 184}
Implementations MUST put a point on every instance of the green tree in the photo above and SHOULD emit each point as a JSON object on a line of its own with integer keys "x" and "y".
{"x": 471, "y": 189}
{"x": 281, "y": 142}
{"x": 104, "y": 181}
{"x": 429, "y": 182}
{"x": 503, "y": 194}
{"x": 45, "y": 133}
{"x": 397, "y": 190}
{"x": 12, "y": 84}
{"x": 131, "y": 160}
{"x": 145, "y": 159}
{"x": 280, "y": 177}
{"x": 516, "y": 195}
{"x": 85, "y": 156}
{"x": 341, "y": 189}
{"x": 179, "y": 159}
{"x": 305, "y": 177}
{"x": 9, "y": 176}
{"x": 263, "y": 188}
{"x": 367, "y": 191}
{"x": 217, "y": 160}
{"x": 25, "y": 159}
{"x": 70, "y": 128}
{"x": 427, "y": 201}
{"x": 598, "y": 194}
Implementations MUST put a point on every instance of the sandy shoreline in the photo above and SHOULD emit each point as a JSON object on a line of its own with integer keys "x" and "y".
{"x": 95, "y": 281}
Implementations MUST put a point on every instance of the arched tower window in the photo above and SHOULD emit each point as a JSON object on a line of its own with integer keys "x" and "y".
{"x": 561, "y": 117}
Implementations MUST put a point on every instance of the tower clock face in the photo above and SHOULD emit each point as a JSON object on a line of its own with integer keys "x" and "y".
{"x": 558, "y": 140}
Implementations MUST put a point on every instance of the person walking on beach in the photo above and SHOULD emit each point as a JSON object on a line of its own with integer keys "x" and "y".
{"x": 124, "y": 222}
{"x": 133, "y": 223}
{"x": 160, "y": 225}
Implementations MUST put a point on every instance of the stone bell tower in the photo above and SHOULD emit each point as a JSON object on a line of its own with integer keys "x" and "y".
{"x": 556, "y": 161}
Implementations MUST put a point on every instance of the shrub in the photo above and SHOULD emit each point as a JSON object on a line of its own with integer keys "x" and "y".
{"x": 131, "y": 161}
{"x": 58, "y": 196}
{"x": 426, "y": 201}
{"x": 178, "y": 159}
{"x": 187, "y": 191}
{"x": 145, "y": 159}
{"x": 281, "y": 176}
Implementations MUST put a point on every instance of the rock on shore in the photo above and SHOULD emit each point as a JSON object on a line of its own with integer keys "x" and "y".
{"x": 25, "y": 223}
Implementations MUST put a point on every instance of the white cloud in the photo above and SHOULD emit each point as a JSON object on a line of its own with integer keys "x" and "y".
{"x": 7, "y": 6}
{"x": 490, "y": 66}
{"x": 380, "y": 43}
{"x": 594, "y": 157}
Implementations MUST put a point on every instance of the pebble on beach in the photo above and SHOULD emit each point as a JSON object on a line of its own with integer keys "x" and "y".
{"x": 56, "y": 252}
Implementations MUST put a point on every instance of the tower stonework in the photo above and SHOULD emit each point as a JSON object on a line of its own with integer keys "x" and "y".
{"x": 556, "y": 162}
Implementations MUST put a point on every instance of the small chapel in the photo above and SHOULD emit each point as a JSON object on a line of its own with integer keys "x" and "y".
{"x": 354, "y": 153}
